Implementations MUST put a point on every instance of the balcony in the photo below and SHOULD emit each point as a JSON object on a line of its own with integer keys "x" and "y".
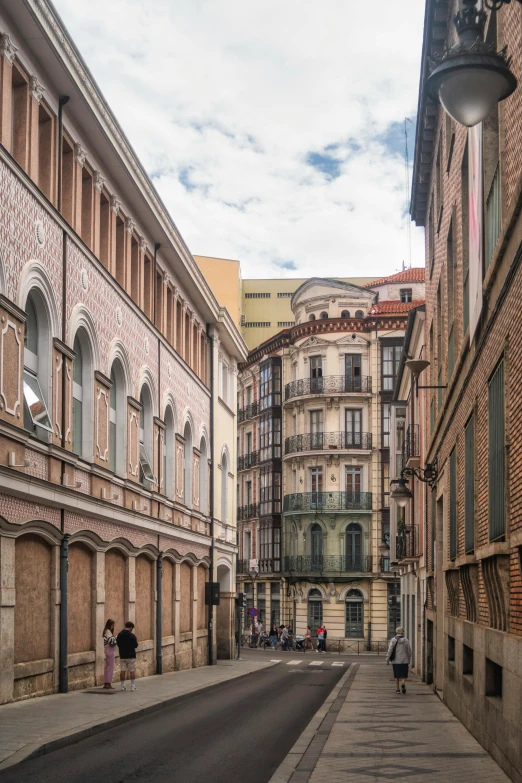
{"x": 266, "y": 566}
{"x": 251, "y": 511}
{"x": 411, "y": 450}
{"x": 327, "y": 501}
{"x": 327, "y": 564}
{"x": 408, "y": 544}
{"x": 329, "y": 384}
{"x": 248, "y": 412}
{"x": 328, "y": 441}
{"x": 248, "y": 460}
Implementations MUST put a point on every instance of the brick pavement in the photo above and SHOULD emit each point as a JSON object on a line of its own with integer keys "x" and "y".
{"x": 35, "y": 726}
{"x": 366, "y": 732}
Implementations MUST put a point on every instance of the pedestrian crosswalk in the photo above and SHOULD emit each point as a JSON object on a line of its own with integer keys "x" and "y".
{"x": 300, "y": 661}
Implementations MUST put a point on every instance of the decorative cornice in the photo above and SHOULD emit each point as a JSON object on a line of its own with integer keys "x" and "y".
{"x": 115, "y": 204}
{"x": 7, "y": 48}
{"x": 80, "y": 153}
{"x": 37, "y": 90}
{"x": 99, "y": 181}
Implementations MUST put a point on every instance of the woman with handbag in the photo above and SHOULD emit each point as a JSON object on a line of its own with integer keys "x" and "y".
{"x": 399, "y": 653}
{"x": 109, "y": 643}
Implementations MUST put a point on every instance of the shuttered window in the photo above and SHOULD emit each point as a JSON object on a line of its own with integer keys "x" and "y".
{"x": 496, "y": 456}
{"x": 453, "y": 505}
{"x": 469, "y": 492}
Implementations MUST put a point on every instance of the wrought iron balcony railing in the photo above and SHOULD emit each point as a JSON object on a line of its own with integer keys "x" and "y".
{"x": 408, "y": 543}
{"x": 250, "y": 511}
{"x": 248, "y": 460}
{"x": 411, "y": 442}
{"x": 310, "y": 564}
{"x": 328, "y": 441}
{"x": 248, "y": 412}
{"x": 270, "y": 565}
{"x": 384, "y": 564}
{"x": 328, "y": 501}
{"x": 329, "y": 384}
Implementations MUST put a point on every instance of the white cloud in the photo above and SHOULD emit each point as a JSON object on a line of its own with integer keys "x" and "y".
{"x": 225, "y": 100}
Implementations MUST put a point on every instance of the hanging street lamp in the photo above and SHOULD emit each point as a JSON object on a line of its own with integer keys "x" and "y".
{"x": 471, "y": 77}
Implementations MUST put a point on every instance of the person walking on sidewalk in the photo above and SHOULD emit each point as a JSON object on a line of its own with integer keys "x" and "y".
{"x": 127, "y": 644}
{"x": 399, "y": 653}
{"x": 273, "y": 636}
{"x": 109, "y": 643}
{"x": 321, "y": 639}
{"x": 308, "y": 639}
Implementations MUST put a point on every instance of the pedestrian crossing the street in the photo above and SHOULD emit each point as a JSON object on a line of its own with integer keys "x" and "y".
{"x": 300, "y": 661}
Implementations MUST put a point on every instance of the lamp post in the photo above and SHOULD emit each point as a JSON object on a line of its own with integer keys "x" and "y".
{"x": 254, "y": 573}
{"x": 471, "y": 77}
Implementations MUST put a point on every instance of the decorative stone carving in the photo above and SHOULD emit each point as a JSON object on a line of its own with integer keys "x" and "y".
{"x": 80, "y": 153}
{"x": 99, "y": 181}
{"x": 7, "y": 48}
{"x": 115, "y": 204}
{"x": 130, "y": 225}
{"x": 143, "y": 245}
{"x": 37, "y": 90}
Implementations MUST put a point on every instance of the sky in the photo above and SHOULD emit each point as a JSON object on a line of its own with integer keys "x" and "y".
{"x": 273, "y": 130}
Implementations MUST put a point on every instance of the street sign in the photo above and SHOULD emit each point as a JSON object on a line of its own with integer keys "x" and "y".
{"x": 253, "y": 612}
{"x": 254, "y": 564}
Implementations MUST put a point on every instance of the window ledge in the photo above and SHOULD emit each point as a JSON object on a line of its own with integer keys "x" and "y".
{"x": 495, "y": 548}
{"x": 468, "y": 559}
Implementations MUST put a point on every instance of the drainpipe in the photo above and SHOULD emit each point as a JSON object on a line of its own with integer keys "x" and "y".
{"x": 211, "y": 500}
{"x": 63, "y": 99}
{"x": 159, "y": 604}
{"x": 64, "y": 567}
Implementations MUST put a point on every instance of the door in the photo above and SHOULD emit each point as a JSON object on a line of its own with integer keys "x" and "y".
{"x": 316, "y": 487}
{"x": 353, "y": 428}
{"x": 316, "y": 374}
{"x": 353, "y": 488}
{"x": 316, "y": 547}
{"x": 352, "y": 364}
{"x": 353, "y": 548}
{"x": 354, "y": 615}
{"x": 316, "y": 429}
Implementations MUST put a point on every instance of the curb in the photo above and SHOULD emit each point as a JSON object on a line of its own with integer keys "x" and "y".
{"x": 70, "y": 738}
{"x": 288, "y": 766}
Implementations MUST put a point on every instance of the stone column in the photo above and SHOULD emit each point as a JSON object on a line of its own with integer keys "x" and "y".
{"x": 80, "y": 155}
{"x": 129, "y": 229}
{"x": 115, "y": 208}
{"x": 194, "y": 590}
{"x": 7, "y": 608}
{"x": 56, "y": 598}
{"x": 99, "y": 615}
{"x": 7, "y": 56}
{"x": 177, "y": 604}
{"x": 99, "y": 182}
{"x": 131, "y": 588}
{"x": 35, "y": 96}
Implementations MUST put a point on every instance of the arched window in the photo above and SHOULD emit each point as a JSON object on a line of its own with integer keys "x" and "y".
{"x": 224, "y": 487}
{"x": 146, "y": 437}
{"x": 345, "y": 314}
{"x": 354, "y": 615}
{"x": 83, "y": 404}
{"x": 353, "y": 548}
{"x": 118, "y": 419}
{"x": 203, "y": 477}
{"x": 187, "y": 466}
{"x": 359, "y": 314}
{"x": 324, "y": 316}
{"x": 312, "y": 317}
{"x": 315, "y": 610}
{"x": 316, "y": 546}
{"x": 37, "y": 367}
{"x": 168, "y": 454}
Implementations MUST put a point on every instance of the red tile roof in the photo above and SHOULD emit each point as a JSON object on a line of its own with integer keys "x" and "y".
{"x": 414, "y": 275}
{"x": 389, "y": 306}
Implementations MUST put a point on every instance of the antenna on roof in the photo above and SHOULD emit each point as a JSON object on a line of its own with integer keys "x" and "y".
{"x": 407, "y": 182}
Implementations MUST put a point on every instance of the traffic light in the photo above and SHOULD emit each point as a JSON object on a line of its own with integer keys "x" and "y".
{"x": 241, "y": 600}
{"x": 212, "y": 593}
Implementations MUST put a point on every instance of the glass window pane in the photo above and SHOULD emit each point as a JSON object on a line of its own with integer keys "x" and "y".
{"x": 31, "y": 327}
{"x": 77, "y": 363}
{"x": 35, "y": 402}
{"x": 77, "y": 426}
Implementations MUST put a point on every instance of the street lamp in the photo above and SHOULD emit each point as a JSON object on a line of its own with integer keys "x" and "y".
{"x": 471, "y": 77}
{"x": 254, "y": 573}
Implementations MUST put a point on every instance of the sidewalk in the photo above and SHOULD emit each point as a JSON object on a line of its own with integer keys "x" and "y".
{"x": 35, "y": 726}
{"x": 366, "y": 732}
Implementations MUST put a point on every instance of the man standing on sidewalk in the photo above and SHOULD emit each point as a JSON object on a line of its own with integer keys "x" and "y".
{"x": 127, "y": 644}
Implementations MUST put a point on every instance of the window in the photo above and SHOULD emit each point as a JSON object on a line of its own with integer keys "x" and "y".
{"x": 83, "y": 414}
{"x": 386, "y": 408}
{"x": 257, "y": 324}
{"x": 285, "y": 323}
{"x": 464, "y": 180}
{"x": 46, "y": 151}
{"x": 316, "y": 482}
{"x": 354, "y": 627}
{"x": 270, "y": 491}
{"x": 269, "y": 437}
{"x": 323, "y": 316}
{"x": 36, "y": 367}
{"x": 168, "y": 454}
{"x": 20, "y": 117}
{"x": 406, "y": 295}
{"x": 316, "y": 374}
{"x": 118, "y": 419}
{"x": 469, "y": 489}
{"x": 224, "y": 488}
{"x": 187, "y": 466}
{"x": 248, "y": 443}
{"x": 391, "y": 357}
{"x": 451, "y": 648}
{"x": 359, "y": 314}
{"x": 496, "y": 456}
{"x": 146, "y": 475}
{"x": 120, "y": 251}
{"x": 316, "y": 429}
{"x": 353, "y": 481}
{"x": 285, "y": 295}
{"x": 345, "y": 314}
{"x": 316, "y": 545}
{"x": 385, "y": 478}
{"x": 353, "y": 427}
{"x": 270, "y": 385}
{"x": 493, "y": 679}
{"x": 258, "y": 296}
{"x": 431, "y": 243}
{"x": 453, "y": 504}
{"x": 352, "y": 370}
{"x": 224, "y": 381}
{"x": 312, "y": 317}
{"x": 275, "y": 602}
{"x": 467, "y": 660}
{"x": 247, "y": 545}
{"x": 248, "y": 493}
{"x": 87, "y": 226}
{"x": 315, "y": 610}
{"x": 248, "y": 395}
{"x": 353, "y": 548}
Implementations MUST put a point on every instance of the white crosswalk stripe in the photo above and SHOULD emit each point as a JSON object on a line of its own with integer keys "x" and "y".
{"x": 293, "y": 663}
{"x": 335, "y": 663}
{"x": 278, "y": 661}
{"x": 316, "y": 663}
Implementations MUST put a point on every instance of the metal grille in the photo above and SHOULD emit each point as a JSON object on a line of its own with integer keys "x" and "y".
{"x": 453, "y": 505}
{"x": 309, "y": 564}
{"x": 329, "y": 501}
{"x": 317, "y": 441}
{"x": 497, "y": 489}
{"x": 469, "y": 496}
{"x": 329, "y": 384}
{"x": 493, "y": 222}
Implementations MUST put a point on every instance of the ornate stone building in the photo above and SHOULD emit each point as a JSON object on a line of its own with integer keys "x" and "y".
{"x": 110, "y": 346}
{"x": 313, "y": 471}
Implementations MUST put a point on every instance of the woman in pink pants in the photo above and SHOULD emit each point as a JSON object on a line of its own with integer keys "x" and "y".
{"x": 109, "y": 642}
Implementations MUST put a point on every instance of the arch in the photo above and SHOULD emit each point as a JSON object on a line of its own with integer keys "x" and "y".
{"x": 118, "y": 418}
{"x": 311, "y": 317}
{"x": 118, "y": 351}
{"x": 187, "y": 465}
{"x": 146, "y": 436}
{"x": 81, "y": 318}
{"x": 323, "y": 316}
{"x": 38, "y": 364}
{"x": 42, "y": 528}
{"x": 359, "y": 314}
{"x": 354, "y": 614}
{"x": 315, "y": 609}
{"x": 34, "y": 276}
{"x": 203, "y": 476}
{"x": 147, "y": 378}
{"x": 345, "y": 314}
{"x": 83, "y": 395}
{"x": 224, "y": 577}
{"x": 168, "y": 452}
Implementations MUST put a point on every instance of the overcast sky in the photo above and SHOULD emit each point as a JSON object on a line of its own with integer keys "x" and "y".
{"x": 273, "y": 130}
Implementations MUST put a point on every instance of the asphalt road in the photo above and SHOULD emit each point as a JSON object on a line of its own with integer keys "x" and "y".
{"x": 240, "y": 730}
